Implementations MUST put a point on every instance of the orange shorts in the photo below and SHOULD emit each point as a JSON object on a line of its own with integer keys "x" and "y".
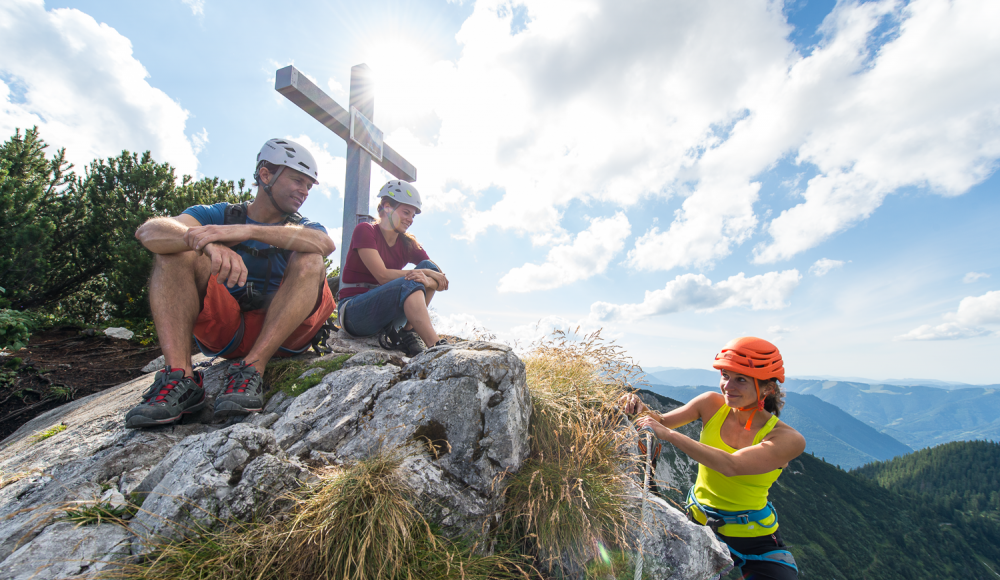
{"x": 222, "y": 329}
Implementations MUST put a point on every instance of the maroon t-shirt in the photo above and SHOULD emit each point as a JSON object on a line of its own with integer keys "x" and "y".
{"x": 394, "y": 257}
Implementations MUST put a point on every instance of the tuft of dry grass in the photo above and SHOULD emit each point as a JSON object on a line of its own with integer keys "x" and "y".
{"x": 569, "y": 499}
{"x": 357, "y": 523}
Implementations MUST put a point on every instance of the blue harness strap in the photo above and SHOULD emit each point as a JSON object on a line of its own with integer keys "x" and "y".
{"x": 744, "y": 517}
{"x": 774, "y": 556}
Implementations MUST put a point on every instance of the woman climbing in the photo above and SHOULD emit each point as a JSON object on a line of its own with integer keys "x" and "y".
{"x": 742, "y": 450}
{"x": 376, "y": 295}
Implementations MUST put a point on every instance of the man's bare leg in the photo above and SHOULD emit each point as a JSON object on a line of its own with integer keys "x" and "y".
{"x": 292, "y": 304}
{"x": 419, "y": 319}
{"x": 176, "y": 290}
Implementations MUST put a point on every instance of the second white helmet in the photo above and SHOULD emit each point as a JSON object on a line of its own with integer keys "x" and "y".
{"x": 401, "y": 191}
{"x": 290, "y": 154}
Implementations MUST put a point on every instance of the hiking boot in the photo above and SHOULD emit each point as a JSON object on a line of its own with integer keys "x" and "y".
{"x": 411, "y": 343}
{"x": 244, "y": 392}
{"x": 170, "y": 396}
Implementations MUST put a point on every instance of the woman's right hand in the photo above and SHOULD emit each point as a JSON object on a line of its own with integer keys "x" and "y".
{"x": 631, "y": 405}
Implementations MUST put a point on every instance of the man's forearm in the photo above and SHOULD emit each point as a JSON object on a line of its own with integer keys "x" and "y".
{"x": 295, "y": 238}
{"x": 163, "y": 236}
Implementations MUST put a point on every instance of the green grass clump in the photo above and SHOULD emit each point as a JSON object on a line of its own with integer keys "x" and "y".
{"x": 284, "y": 376}
{"x": 99, "y": 513}
{"x": 569, "y": 498}
{"x": 357, "y": 523}
{"x": 50, "y": 432}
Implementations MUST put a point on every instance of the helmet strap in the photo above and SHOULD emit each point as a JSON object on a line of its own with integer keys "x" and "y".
{"x": 758, "y": 407}
{"x": 394, "y": 227}
{"x": 267, "y": 189}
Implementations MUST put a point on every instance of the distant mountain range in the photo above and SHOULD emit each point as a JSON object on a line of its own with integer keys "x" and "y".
{"x": 918, "y": 416}
{"x": 830, "y": 433}
{"x": 692, "y": 377}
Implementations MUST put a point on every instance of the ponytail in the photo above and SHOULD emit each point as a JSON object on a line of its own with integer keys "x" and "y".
{"x": 774, "y": 399}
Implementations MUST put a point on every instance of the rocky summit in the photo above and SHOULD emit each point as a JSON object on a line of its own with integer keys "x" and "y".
{"x": 460, "y": 415}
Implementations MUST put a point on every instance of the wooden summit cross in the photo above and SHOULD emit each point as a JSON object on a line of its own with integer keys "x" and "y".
{"x": 364, "y": 139}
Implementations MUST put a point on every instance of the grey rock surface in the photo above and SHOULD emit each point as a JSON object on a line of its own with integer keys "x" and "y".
{"x": 80, "y": 550}
{"x": 673, "y": 547}
{"x": 118, "y": 332}
{"x": 458, "y": 414}
{"x": 190, "y": 487}
{"x": 376, "y": 357}
{"x": 154, "y": 365}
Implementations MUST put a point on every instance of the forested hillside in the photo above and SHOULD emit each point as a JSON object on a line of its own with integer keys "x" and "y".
{"x": 843, "y": 526}
{"x": 963, "y": 476}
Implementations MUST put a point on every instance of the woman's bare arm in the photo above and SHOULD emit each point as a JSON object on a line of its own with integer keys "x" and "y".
{"x": 778, "y": 448}
{"x": 375, "y": 265}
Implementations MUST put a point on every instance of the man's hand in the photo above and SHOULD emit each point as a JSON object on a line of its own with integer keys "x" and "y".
{"x": 199, "y": 237}
{"x": 227, "y": 265}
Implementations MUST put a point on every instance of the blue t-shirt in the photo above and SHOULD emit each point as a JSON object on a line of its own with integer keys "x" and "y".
{"x": 215, "y": 215}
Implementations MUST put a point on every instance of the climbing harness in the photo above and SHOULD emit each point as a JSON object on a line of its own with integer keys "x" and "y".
{"x": 718, "y": 518}
{"x": 647, "y": 467}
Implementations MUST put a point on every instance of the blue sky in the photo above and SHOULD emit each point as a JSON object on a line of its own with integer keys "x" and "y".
{"x": 677, "y": 173}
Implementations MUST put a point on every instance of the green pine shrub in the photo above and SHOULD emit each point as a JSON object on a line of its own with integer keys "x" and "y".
{"x": 67, "y": 241}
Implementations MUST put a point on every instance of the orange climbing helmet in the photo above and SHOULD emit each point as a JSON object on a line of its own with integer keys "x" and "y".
{"x": 753, "y": 357}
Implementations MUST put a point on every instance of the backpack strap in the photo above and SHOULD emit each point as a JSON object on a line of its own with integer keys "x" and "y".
{"x": 236, "y": 214}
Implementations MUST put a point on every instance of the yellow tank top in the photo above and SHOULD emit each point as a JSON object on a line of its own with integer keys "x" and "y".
{"x": 737, "y": 493}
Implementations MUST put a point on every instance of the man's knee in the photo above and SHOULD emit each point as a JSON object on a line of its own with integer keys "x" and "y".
{"x": 306, "y": 267}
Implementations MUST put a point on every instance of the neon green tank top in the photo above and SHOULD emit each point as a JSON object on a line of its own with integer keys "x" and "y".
{"x": 737, "y": 493}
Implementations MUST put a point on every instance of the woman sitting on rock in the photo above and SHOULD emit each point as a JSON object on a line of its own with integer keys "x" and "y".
{"x": 742, "y": 450}
{"x": 376, "y": 295}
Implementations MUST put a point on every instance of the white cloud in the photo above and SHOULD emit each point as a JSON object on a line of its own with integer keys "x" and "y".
{"x": 79, "y": 82}
{"x": 696, "y": 292}
{"x": 530, "y": 119}
{"x": 524, "y": 336}
{"x": 197, "y": 6}
{"x": 974, "y": 276}
{"x": 459, "y": 324}
{"x": 337, "y": 90}
{"x": 983, "y": 309}
{"x": 823, "y": 266}
{"x": 777, "y": 329}
{"x": 946, "y": 331}
{"x": 966, "y": 322}
{"x": 920, "y": 113}
{"x": 589, "y": 254}
{"x": 331, "y": 169}
{"x": 199, "y": 141}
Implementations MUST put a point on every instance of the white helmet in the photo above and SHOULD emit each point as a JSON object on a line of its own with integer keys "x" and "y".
{"x": 401, "y": 191}
{"x": 289, "y": 154}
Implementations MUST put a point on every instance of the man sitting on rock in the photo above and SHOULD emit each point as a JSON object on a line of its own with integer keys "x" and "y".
{"x": 274, "y": 299}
